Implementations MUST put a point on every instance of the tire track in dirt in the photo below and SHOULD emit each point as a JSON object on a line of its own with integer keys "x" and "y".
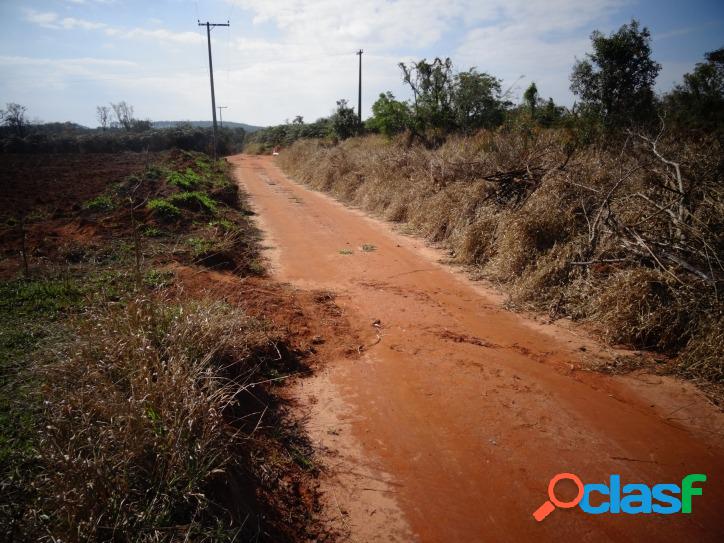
{"x": 450, "y": 425}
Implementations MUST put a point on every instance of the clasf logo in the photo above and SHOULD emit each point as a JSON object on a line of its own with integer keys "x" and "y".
{"x": 632, "y": 499}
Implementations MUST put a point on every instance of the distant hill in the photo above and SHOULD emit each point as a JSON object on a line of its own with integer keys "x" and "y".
{"x": 229, "y": 124}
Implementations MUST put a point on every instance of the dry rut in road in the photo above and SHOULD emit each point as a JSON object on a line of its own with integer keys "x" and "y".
{"x": 458, "y": 412}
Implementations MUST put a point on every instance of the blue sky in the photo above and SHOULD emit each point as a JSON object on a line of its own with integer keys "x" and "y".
{"x": 283, "y": 58}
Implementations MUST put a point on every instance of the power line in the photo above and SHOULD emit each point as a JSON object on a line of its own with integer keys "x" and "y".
{"x": 209, "y": 26}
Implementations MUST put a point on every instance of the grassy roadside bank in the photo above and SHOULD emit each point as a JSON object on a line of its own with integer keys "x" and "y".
{"x": 628, "y": 239}
{"x": 139, "y": 396}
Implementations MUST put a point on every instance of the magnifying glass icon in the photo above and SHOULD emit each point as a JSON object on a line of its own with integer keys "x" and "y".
{"x": 549, "y": 506}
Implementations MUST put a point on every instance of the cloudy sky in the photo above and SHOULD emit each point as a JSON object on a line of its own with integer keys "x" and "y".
{"x": 281, "y": 58}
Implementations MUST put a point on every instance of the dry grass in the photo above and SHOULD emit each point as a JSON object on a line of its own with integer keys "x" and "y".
{"x": 597, "y": 234}
{"x": 139, "y": 421}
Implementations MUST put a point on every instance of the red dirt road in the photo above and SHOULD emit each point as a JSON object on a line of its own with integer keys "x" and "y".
{"x": 451, "y": 424}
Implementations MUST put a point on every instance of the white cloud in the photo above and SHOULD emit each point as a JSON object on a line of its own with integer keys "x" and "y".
{"x": 160, "y": 34}
{"x": 6, "y": 60}
{"x": 71, "y": 23}
{"x": 52, "y": 20}
{"x": 45, "y": 19}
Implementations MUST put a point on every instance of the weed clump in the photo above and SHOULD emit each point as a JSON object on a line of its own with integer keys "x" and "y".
{"x": 196, "y": 201}
{"x": 186, "y": 180}
{"x": 164, "y": 209}
{"x": 99, "y": 204}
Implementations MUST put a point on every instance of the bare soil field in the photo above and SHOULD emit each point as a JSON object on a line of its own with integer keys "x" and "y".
{"x": 457, "y": 412}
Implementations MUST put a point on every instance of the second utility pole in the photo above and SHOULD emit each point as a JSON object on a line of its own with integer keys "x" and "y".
{"x": 209, "y": 26}
{"x": 359, "y": 90}
{"x": 221, "y": 117}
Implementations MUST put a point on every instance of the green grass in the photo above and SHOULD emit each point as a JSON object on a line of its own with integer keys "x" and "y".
{"x": 158, "y": 278}
{"x": 187, "y": 180}
{"x": 201, "y": 246}
{"x": 28, "y": 312}
{"x": 164, "y": 209}
{"x": 151, "y": 231}
{"x": 198, "y": 201}
{"x": 99, "y": 204}
{"x": 224, "y": 224}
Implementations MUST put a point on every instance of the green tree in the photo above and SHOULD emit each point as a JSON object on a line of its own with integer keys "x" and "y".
{"x": 476, "y": 101}
{"x": 389, "y": 116}
{"x": 616, "y": 81}
{"x": 344, "y": 121}
{"x": 432, "y": 88}
{"x": 698, "y": 102}
{"x": 548, "y": 114}
{"x": 530, "y": 98}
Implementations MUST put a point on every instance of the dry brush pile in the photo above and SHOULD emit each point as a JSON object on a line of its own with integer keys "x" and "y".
{"x": 628, "y": 237}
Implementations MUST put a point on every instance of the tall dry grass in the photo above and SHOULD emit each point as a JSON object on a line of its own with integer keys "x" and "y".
{"x": 612, "y": 235}
{"x": 141, "y": 423}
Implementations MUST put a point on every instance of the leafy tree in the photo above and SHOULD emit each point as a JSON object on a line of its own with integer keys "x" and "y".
{"x": 13, "y": 116}
{"x": 476, "y": 101}
{"x": 389, "y": 116}
{"x": 548, "y": 114}
{"x": 698, "y": 102}
{"x": 530, "y": 98}
{"x": 432, "y": 87}
{"x": 344, "y": 121}
{"x": 615, "y": 82}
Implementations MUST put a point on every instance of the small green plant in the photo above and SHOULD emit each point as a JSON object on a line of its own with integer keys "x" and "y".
{"x": 200, "y": 246}
{"x": 187, "y": 180}
{"x": 199, "y": 201}
{"x": 163, "y": 209}
{"x": 99, "y": 204}
{"x": 152, "y": 231}
{"x": 158, "y": 278}
{"x": 368, "y": 248}
{"x": 345, "y": 251}
{"x": 224, "y": 224}
{"x": 154, "y": 173}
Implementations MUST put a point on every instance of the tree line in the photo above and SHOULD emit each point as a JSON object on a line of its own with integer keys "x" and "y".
{"x": 613, "y": 86}
{"x": 118, "y": 130}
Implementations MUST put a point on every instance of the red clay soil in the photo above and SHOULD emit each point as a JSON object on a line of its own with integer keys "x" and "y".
{"x": 456, "y": 415}
{"x": 55, "y": 183}
{"x": 49, "y": 191}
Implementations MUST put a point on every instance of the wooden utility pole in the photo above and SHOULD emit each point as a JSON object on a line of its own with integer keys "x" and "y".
{"x": 221, "y": 119}
{"x": 209, "y": 26}
{"x": 359, "y": 90}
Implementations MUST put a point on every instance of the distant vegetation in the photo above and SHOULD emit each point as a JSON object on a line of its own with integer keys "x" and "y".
{"x": 118, "y": 131}
{"x": 248, "y": 128}
{"x": 611, "y": 211}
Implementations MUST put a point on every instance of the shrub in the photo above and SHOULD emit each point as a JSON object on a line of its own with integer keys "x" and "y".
{"x": 187, "y": 180}
{"x": 163, "y": 209}
{"x": 198, "y": 201}
{"x": 99, "y": 204}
